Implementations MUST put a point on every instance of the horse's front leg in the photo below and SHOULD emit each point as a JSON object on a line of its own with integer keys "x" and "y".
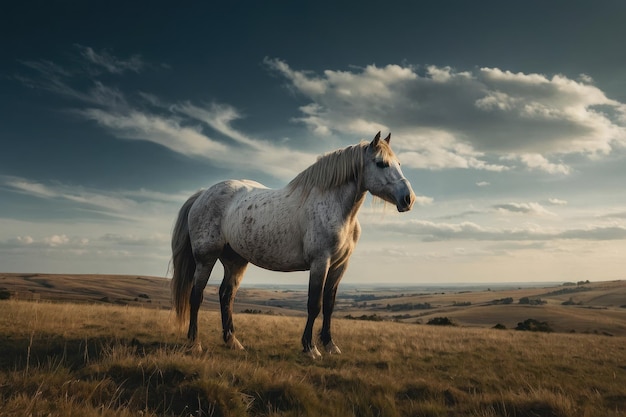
{"x": 330, "y": 292}
{"x": 234, "y": 268}
{"x": 317, "y": 277}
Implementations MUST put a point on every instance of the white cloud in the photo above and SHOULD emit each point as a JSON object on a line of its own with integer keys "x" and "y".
{"x": 523, "y": 208}
{"x": 486, "y": 119}
{"x": 155, "y": 239}
{"x": 432, "y": 232}
{"x": 557, "y": 202}
{"x": 450, "y": 119}
{"x": 536, "y": 161}
{"x": 302, "y": 81}
{"x": 164, "y": 131}
{"x": 132, "y": 237}
{"x": 28, "y": 187}
{"x": 218, "y": 117}
{"x": 422, "y": 200}
{"x": 24, "y": 240}
{"x": 85, "y": 250}
{"x": 52, "y": 241}
{"x": 617, "y": 215}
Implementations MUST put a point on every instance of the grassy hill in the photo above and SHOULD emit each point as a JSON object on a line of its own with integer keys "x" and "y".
{"x": 67, "y": 359}
{"x": 593, "y": 307}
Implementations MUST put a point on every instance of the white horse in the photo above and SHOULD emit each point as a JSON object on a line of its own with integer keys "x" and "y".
{"x": 311, "y": 224}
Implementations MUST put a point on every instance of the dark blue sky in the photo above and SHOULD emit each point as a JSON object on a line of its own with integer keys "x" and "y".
{"x": 509, "y": 116}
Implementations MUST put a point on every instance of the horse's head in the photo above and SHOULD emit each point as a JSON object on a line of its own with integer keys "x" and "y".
{"x": 383, "y": 177}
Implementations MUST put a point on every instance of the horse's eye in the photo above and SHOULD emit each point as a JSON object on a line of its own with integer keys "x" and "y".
{"x": 382, "y": 164}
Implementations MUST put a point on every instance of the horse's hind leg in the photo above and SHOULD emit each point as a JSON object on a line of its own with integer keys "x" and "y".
{"x": 200, "y": 279}
{"x": 234, "y": 268}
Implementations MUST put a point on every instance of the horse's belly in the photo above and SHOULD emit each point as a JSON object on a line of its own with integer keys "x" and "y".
{"x": 270, "y": 252}
{"x": 268, "y": 244}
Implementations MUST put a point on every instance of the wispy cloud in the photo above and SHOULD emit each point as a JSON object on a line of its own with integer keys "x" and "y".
{"x": 51, "y": 241}
{"x": 164, "y": 131}
{"x": 88, "y": 251}
{"x": 616, "y": 215}
{"x": 104, "y": 60}
{"x": 431, "y": 231}
{"x": 523, "y": 208}
{"x": 102, "y": 230}
{"x": 198, "y": 131}
{"x": 557, "y": 202}
{"x": 122, "y": 204}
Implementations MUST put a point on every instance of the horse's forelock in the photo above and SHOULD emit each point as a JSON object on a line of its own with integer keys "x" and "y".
{"x": 384, "y": 151}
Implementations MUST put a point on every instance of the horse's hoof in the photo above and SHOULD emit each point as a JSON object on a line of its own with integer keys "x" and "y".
{"x": 332, "y": 348}
{"x": 234, "y": 344}
{"x": 313, "y": 353}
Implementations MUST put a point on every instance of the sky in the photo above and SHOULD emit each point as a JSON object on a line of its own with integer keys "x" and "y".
{"x": 509, "y": 119}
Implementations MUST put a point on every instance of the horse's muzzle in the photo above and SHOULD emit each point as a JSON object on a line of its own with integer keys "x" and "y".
{"x": 406, "y": 198}
{"x": 406, "y": 204}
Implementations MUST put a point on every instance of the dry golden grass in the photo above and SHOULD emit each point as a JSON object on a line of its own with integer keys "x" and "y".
{"x": 103, "y": 360}
{"x": 600, "y": 307}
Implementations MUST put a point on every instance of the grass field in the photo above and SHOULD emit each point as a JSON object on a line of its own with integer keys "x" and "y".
{"x": 597, "y": 307}
{"x": 67, "y": 359}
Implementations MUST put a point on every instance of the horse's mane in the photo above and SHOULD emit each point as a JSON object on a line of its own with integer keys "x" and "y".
{"x": 337, "y": 168}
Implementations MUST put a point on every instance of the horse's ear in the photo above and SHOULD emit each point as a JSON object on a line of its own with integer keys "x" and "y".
{"x": 374, "y": 143}
{"x": 388, "y": 138}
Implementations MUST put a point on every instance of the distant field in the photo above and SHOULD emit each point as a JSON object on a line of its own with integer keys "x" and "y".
{"x": 595, "y": 307}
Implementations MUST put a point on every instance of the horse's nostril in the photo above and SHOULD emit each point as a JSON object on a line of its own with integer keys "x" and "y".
{"x": 407, "y": 199}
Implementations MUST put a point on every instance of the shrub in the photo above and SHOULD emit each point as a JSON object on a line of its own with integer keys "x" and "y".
{"x": 567, "y": 291}
{"x": 371, "y": 317}
{"x": 571, "y": 302}
{"x": 507, "y": 300}
{"x": 251, "y": 311}
{"x": 533, "y": 325}
{"x": 408, "y": 306}
{"x": 532, "y": 301}
{"x": 499, "y": 326}
{"x": 440, "y": 321}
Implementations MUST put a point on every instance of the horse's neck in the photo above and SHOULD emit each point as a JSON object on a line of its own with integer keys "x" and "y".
{"x": 351, "y": 198}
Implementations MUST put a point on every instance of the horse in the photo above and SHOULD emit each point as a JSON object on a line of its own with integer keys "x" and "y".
{"x": 310, "y": 224}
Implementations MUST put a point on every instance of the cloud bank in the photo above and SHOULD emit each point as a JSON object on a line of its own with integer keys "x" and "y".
{"x": 487, "y": 118}
{"x": 484, "y": 119}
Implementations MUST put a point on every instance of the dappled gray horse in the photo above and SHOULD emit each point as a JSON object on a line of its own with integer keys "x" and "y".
{"x": 311, "y": 224}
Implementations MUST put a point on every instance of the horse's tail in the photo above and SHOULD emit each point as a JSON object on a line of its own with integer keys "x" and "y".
{"x": 183, "y": 262}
